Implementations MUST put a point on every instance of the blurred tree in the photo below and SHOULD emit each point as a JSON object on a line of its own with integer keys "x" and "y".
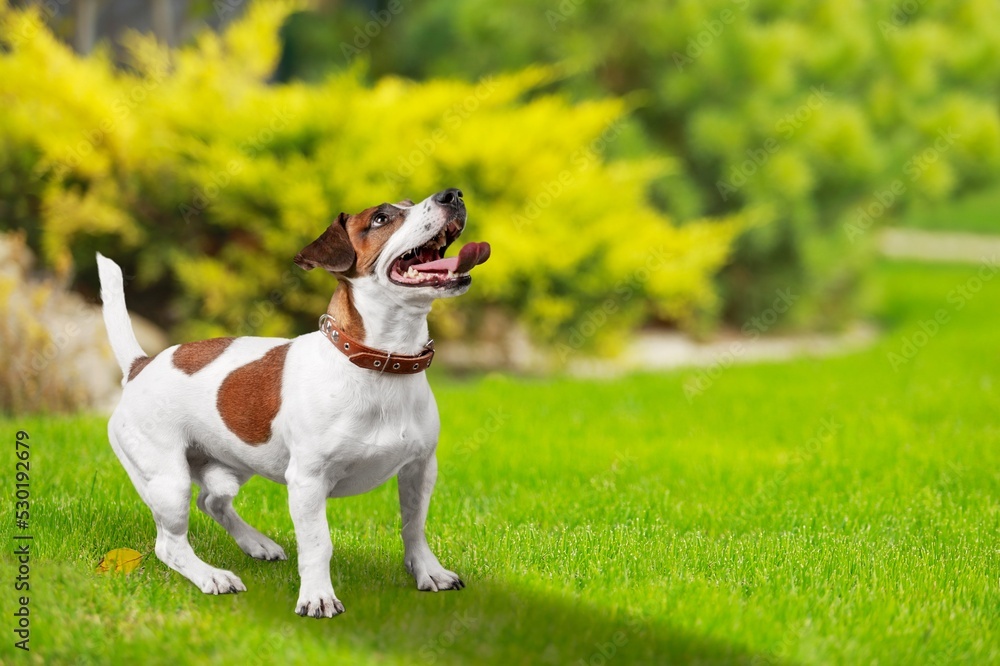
{"x": 830, "y": 117}
{"x": 86, "y": 25}
{"x": 164, "y": 26}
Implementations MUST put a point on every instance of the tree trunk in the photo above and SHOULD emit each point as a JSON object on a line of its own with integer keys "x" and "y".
{"x": 163, "y": 21}
{"x": 85, "y": 33}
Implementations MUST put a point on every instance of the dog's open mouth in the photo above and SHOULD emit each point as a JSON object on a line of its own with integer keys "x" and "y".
{"x": 426, "y": 266}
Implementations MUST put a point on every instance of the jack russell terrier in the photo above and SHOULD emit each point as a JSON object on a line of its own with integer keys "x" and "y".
{"x": 331, "y": 413}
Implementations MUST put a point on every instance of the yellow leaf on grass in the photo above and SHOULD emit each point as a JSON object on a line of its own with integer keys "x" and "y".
{"x": 120, "y": 560}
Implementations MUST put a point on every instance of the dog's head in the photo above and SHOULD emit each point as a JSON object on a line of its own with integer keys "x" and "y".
{"x": 400, "y": 247}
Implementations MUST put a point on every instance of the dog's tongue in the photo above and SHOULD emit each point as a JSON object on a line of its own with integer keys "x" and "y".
{"x": 471, "y": 255}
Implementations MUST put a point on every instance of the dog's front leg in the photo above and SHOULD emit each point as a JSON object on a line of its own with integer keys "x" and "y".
{"x": 416, "y": 483}
{"x": 307, "y": 504}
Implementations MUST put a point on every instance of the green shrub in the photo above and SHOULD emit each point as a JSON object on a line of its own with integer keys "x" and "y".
{"x": 204, "y": 180}
{"x": 830, "y": 116}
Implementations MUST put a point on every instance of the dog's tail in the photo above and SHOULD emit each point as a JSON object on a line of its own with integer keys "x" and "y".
{"x": 116, "y": 320}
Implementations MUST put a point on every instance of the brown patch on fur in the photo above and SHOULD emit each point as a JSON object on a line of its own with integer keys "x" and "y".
{"x": 137, "y": 366}
{"x": 193, "y": 356}
{"x": 342, "y": 310}
{"x": 250, "y": 397}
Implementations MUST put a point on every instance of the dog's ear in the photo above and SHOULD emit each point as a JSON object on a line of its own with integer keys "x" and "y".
{"x": 332, "y": 250}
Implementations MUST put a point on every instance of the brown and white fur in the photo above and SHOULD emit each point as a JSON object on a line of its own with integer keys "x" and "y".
{"x": 298, "y": 412}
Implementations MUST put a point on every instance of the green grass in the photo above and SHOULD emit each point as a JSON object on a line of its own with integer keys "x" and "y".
{"x": 588, "y": 517}
{"x": 976, "y": 213}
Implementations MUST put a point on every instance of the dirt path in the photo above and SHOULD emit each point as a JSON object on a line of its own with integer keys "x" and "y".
{"x": 938, "y": 245}
{"x": 669, "y": 350}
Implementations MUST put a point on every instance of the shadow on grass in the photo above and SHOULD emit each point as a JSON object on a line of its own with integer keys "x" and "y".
{"x": 490, "y": 621}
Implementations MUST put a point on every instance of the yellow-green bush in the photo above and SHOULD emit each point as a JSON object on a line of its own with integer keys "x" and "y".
{"x": 204, "y": 180}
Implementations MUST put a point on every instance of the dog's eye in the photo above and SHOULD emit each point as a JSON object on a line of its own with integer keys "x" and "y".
{"x": 379, "y": 220}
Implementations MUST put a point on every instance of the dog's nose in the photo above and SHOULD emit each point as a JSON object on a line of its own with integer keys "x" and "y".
{"x": 450, "y": 197}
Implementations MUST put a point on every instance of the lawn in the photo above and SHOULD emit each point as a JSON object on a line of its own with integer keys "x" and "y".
{"x": 815, "y": 512}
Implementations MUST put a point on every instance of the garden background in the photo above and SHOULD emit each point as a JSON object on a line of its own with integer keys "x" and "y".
{"x": 693, "y": 185}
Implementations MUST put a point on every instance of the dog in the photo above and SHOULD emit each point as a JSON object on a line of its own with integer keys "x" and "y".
{"x": 332, "y": 413}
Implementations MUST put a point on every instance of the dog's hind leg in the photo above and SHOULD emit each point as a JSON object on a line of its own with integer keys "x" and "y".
{"x": 219, "y": 485}
{"x": 160, "y": 473}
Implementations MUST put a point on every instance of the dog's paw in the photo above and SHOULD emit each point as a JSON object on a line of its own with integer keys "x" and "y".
{"x": 218, "y": 581}
{"x": 260, "y": 547}
{"x": 319, "y": 604}
{"x": 439, "y": 580}
{"x": 430, "y": 575}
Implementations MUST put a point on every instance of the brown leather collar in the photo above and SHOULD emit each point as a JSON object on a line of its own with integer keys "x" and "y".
{"x": 374, "y": 359}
